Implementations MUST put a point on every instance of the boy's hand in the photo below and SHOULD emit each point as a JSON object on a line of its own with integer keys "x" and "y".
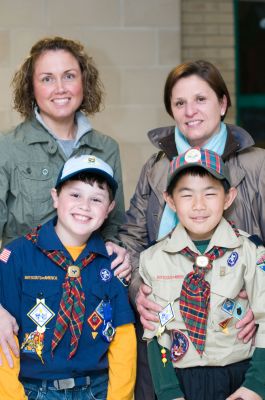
{"x": 8, "y": 327}
{"x": 247, "y": 324}
{"x": 147, "y": 308}
{"x": 244, "y": 394}
{"x": 122, "y": 260}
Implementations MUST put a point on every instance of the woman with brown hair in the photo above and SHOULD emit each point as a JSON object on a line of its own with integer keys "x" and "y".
{"x": 197, "y": 98}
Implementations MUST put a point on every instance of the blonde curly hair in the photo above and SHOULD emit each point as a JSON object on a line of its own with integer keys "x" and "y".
{"x": 22, "y": 82}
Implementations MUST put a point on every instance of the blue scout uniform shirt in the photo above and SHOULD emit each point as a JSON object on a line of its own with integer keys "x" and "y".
{"x": 27, "y": 275}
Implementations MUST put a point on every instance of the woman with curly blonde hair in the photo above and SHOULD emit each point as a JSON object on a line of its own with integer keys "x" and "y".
{"x": 55, "y": 89}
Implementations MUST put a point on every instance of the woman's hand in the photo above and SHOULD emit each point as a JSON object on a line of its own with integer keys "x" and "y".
{"x": 122, "y": 261}
{"x": 247, "y": 324}
{"x": 244, "y": 394}
{"x": 8, "y": 327}
{"x": 147, "y": 308}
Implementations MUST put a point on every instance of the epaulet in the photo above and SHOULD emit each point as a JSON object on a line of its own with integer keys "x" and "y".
{"x": 159, "y": 155}
{"x": 256, "y": 240}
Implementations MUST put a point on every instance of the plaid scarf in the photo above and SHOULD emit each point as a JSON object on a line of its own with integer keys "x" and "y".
{"x": 72, "y": 305}
{"x": 195, "y": 294}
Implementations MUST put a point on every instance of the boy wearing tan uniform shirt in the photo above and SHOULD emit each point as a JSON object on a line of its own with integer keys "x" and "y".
{"x": 196, "y": 273}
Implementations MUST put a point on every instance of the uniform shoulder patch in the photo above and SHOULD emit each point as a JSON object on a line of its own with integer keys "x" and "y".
{"x": 4, "y": 255}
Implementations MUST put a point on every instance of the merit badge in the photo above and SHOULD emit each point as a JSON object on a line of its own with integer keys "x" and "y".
{"x": 232, "y": 259}
{"x": 180, "y": 345}
{"x": 239, "y": 311}
{"x": 108, "y": 331}
{"x": 94, "y": 320}
{"x": 228, "y": 306}
{"x": 105, "y": 275}
{"x": 166, "y": 315}
{"x": 40, "y": 314}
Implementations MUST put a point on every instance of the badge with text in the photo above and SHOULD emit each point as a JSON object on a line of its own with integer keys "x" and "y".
{"x": 180, "y": 345}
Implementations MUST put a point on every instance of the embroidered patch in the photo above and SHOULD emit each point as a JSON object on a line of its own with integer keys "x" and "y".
{"x": 261, "y": 260}
{"x": 261, "y": 266}
{"x": 94, "y": 320}
{"x": 166, "y": 315}
{"x": 228, "y": 306}
{"x": 105, "y": 275}
{"x": 100, "y": 310}
{"x": 169, "y": 277}
{"x": 232, "y": 259}
{"x": 180, "y": 345}
{"x": 94, "y": 334}
{"x": 41, "y": 278}
{"x": 40, "y": 314}
{"x": 239, "y": 311}
{"x": 4, "y": 256}
{"x": 224, "y": 324}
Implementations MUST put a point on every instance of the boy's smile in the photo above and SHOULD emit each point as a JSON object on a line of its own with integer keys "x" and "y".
{"x": 81, "y": 209}
{"x": 199, "y": 202}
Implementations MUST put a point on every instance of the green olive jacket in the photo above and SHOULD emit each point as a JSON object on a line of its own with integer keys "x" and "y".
{"x": 30, "y": 161}
{"x": 247, "y": 169}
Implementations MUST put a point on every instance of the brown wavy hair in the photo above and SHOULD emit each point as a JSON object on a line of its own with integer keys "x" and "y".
{"x": 22, "y": 82}
{"x": 204, "y": 70}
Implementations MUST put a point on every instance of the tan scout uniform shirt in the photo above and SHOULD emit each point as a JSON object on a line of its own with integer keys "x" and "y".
{"x": 163, "y": 268}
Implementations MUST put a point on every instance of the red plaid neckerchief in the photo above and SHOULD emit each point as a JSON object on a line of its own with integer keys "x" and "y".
{"x": 195, "y": 295}
{"x": 72, "y": 306}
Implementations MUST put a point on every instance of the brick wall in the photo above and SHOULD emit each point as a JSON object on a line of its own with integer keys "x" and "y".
{"x": 208, "y": 33}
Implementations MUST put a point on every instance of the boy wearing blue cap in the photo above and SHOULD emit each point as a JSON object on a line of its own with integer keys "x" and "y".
{"x": 196, "y": 273}
{"x": 74, "y": 316}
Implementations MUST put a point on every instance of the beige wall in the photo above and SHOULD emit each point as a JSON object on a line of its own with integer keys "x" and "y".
{"x": 208, "y": 33}
{"x": 134, "y": 43}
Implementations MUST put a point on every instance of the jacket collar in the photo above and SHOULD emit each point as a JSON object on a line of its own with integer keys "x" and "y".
{"x": 237, "y": 140}
{"x": 224, "y": 236}
{"x": 36, "y": 133}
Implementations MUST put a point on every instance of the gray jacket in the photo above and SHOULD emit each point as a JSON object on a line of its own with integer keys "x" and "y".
{"x": 30, "y": 161}
{"x": 247, "y": 170}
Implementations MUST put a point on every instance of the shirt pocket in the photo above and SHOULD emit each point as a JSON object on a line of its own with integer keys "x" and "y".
{"x": 225, "y": 288}
{"x": 35, "y": 313}
{"x": 168, "y": 292}
{"x": 35, "y": 181}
